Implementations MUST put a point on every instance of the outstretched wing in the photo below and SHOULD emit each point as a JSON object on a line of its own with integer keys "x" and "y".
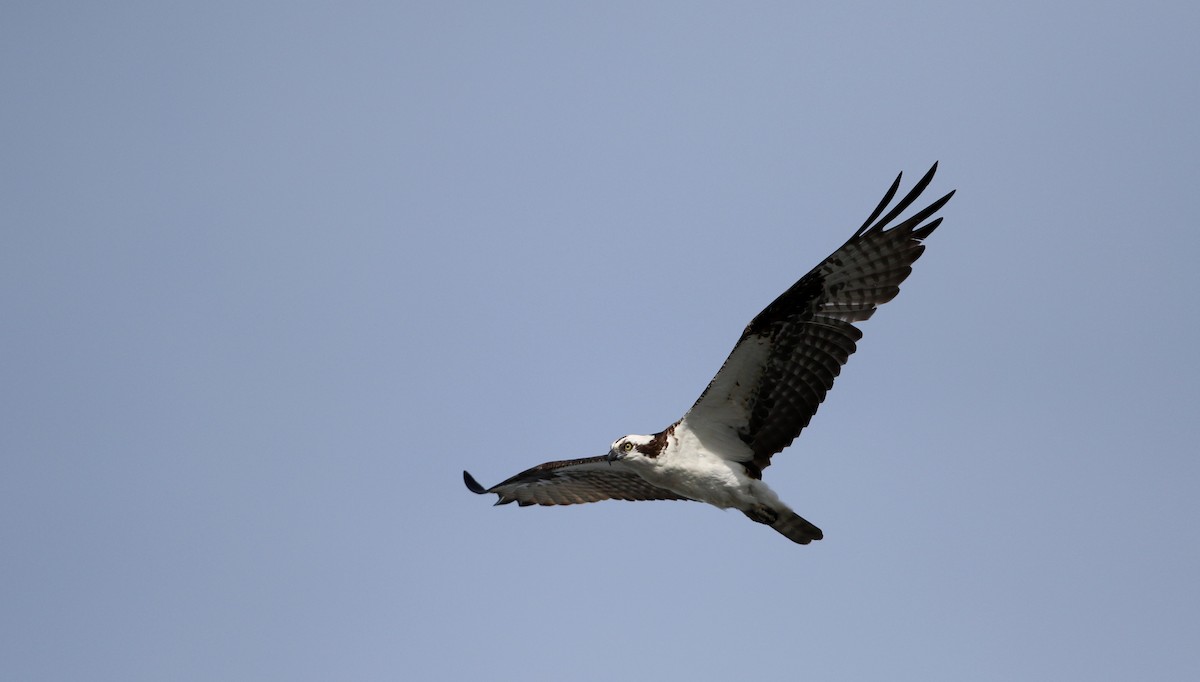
{"x": 789, "y": 355}
{"x": 574, "y": 481}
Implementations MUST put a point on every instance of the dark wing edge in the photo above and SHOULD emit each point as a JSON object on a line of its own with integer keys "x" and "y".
{"x": 576, "y": 481}
{"x": 913, "y": 194}
{"x": 789, "y": 355}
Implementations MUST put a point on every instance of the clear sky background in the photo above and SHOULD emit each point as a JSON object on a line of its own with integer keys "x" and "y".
{"x": 273, "y": 274}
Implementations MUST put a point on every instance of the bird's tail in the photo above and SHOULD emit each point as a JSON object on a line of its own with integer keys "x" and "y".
{"x": 790, "y": 524}
{"x": 795, "y": 528}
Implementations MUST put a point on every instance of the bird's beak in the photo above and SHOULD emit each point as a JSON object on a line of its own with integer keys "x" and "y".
{"x": 612, "y": 456}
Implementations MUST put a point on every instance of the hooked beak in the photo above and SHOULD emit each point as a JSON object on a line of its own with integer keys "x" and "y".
{"x": 613, "y": 456}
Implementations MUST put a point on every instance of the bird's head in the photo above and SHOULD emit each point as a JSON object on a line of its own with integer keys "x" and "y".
{"x": 630, "y": 448}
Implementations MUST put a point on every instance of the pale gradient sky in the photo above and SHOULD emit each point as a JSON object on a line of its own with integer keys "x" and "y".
{"x": 273, "y": 274}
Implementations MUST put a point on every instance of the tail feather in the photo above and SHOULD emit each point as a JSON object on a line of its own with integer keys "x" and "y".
{"x": 790, "y": 524}
{"x": 795, "y": 528}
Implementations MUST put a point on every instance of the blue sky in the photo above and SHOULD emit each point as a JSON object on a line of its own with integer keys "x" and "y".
{"x": 273, "y": 274}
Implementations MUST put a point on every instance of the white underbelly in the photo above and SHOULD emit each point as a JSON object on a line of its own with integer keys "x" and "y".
{"x": 706, "y": 478}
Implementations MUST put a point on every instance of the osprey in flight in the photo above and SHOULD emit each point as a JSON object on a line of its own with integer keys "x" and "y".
{"x": 763, "y": 396}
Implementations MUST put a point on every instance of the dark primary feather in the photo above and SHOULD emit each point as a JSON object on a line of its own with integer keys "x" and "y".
{"x": 574, "y": 481}
{"x": 789, "y": 355}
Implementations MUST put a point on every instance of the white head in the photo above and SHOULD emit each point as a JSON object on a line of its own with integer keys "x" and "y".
{"x": 635, "y": 447}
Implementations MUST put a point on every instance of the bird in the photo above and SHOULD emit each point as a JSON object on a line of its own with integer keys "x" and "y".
{"x": 764, "y": 394}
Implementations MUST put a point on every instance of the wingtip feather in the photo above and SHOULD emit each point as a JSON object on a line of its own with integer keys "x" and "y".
{"x": 873, "y": 225}
{"x": 472, "y": 484}
{"x": 887, "y": 199}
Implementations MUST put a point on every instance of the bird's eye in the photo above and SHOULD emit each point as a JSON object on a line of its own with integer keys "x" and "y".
{"x": 626, "y": 447}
